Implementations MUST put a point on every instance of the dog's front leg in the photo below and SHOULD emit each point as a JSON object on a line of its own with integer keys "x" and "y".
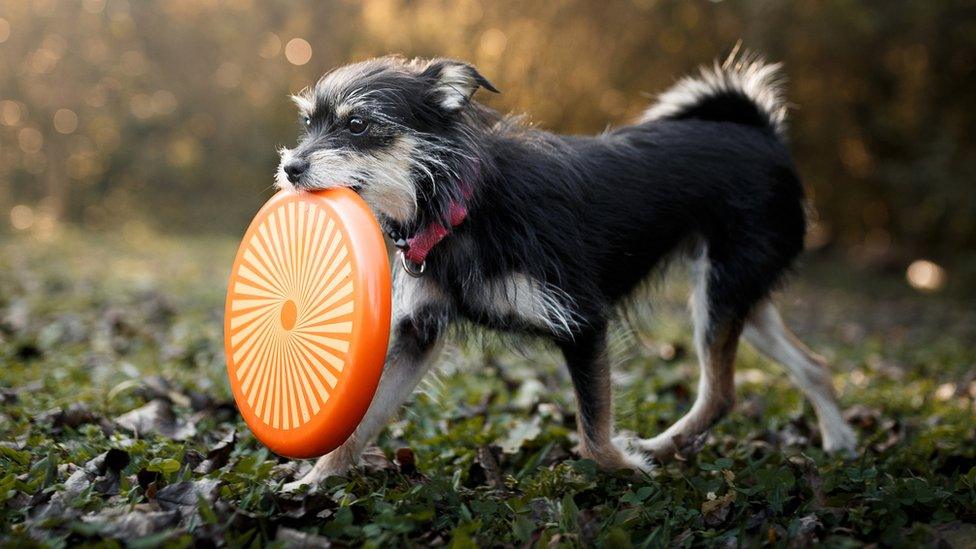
{"x": 586, "y": 358}
{"x": 418, "y": 325}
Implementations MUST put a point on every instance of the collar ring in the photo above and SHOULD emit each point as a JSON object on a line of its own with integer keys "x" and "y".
{"x": 412, "y": 269}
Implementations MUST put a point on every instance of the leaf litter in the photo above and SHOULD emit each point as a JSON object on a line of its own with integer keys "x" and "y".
{"x": 117, "y": 424}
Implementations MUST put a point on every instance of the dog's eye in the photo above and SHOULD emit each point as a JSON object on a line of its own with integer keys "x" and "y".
{"x": 357, "y": 125}
{"x": 308, "y": 121}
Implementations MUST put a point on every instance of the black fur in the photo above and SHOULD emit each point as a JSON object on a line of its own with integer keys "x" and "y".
{"x": 584, "y": 220}
{"x": 593, "y": 216}
{"x": 588, "y": 216}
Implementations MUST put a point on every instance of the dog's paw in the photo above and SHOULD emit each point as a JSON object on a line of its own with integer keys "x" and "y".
{"x": 660, "y": 447}
{"x": 840, "y": 440}
{"x": 299, "y": 486}
{"x": 309, "y": 483}
{"x": 324, "y": 469}
{"x": 666, "y": 448}
{"x": 633, "y": 457}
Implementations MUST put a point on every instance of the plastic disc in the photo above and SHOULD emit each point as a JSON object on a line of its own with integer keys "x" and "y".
{"x": 307, "y": 320}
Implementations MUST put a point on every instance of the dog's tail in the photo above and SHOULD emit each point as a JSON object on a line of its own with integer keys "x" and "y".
{"x": 744, "y": 89}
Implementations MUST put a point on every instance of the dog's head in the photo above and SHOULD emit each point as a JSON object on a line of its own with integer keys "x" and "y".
{"x": 389, "y": 128}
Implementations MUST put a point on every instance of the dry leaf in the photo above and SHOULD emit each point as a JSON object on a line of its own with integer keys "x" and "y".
{"x": 156, "y": 417}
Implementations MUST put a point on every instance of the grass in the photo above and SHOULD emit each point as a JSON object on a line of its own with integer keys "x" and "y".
{"x": 117, "y": 425}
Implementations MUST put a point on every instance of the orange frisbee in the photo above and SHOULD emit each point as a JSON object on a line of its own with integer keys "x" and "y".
{"x": 307, "y": 320}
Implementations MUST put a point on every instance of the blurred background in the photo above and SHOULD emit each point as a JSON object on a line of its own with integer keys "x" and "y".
{"x": 162, "y": 118}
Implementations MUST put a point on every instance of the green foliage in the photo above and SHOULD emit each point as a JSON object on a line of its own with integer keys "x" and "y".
{"x": 90, "y": 336}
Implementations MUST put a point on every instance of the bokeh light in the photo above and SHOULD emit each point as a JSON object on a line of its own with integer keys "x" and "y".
{"x": 21, "y": 217}
{"x": 141, "y": 106}
{"x": 10, "y": 113}
{"x": 926, "y": 276}
{"x": 65, "y": 121}
{"x": 493, "y": 43}
{"x": 270, "y": 45}
{"x": 163, "y": 102}
{"x": 30, "y": 140}
{"x": 4, "y": 30}
{"x": 298, "y": 51}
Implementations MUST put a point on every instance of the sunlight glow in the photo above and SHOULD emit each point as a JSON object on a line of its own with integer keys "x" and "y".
{"x": 925, "y": 275}
{"x": 65, "y": 121}
{"x": 270, "y": 45}
{"x": 21, "y": 217}
{"x": 298, "y": 51}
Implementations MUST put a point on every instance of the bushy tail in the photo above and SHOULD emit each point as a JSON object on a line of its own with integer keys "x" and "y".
{"x": 744, "y": 89}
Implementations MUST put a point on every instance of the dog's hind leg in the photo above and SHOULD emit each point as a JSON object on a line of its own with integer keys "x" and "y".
{"x": 766, "y": 331}
{"x": 716, "y": 341}
{"x": 586, "y": 357}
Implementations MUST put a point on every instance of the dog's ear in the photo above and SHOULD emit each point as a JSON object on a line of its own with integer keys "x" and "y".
{"x": 453, "y": 83}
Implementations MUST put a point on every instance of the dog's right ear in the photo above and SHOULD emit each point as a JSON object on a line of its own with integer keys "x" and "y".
{"x": 453, "y": 83}
{"x": 303, "y": 100}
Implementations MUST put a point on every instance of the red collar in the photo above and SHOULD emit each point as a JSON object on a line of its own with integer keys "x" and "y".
{"x": 416, "y": 248}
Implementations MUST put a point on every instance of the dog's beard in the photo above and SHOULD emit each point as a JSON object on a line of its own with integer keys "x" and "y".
{"x": 383, "y": 177}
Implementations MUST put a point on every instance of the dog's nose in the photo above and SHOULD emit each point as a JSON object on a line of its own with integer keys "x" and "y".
{"x": 295, "y": 168}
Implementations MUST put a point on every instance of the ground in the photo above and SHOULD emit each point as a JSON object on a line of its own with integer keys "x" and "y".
{"x": 117, "y": 425}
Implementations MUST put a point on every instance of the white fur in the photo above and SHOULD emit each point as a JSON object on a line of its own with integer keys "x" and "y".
{"x": 751, "y": 76}
{"x": 401, "y": 374}
{"x": 767, "y": 332}
{"x": 387, "y": 176}
{"x": 304, "y": 103}
{"x": 532, "y": 302}
{"x": 456, "y": 85}
{"x": 384, "y": 174}
{"x": 281, "y": 178}
{"x": 700, "y": 316}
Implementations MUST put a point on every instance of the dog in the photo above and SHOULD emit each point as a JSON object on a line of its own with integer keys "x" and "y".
{"x": 520, "y": 230}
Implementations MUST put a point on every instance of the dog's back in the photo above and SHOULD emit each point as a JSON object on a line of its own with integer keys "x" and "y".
{"x": 706, "y": 167}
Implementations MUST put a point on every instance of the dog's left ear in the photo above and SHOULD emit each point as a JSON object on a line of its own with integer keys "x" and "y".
{"x": 453, "y": 83}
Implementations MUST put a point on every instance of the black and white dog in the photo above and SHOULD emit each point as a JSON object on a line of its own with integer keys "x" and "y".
{"x": 521, "y": 230}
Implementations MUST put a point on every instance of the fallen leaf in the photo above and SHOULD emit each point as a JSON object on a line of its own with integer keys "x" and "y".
{"x": 805, "y": 531}
{"x": 375, "y": 460}
{"x": 956, "y": 534}
{"x": 522, "y": 432}
{"x": 156, "y": 417}
{"x": 303, "y": 507}
{"x": 183, "y": 496}
{"x": 141, "y": 521}
{"x": 12, "y": 394}
{"x": 862, "y": 416}
{"x": 716, "y": 510}
{"x": 808, "y": 469}
{"x": 529, "y": 394}
{"x": 894, "y": 435}
{"x": 296, "y": 539}
{"x": 153, "y": 387}
{"x": 73, "y": 416}
{"x": 102, "y": 471}
{"x": 218, "y": 455}
{"x": 486, "y": 470}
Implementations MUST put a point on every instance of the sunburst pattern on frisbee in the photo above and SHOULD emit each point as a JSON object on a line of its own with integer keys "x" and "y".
{"x": 291, "y": 314}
